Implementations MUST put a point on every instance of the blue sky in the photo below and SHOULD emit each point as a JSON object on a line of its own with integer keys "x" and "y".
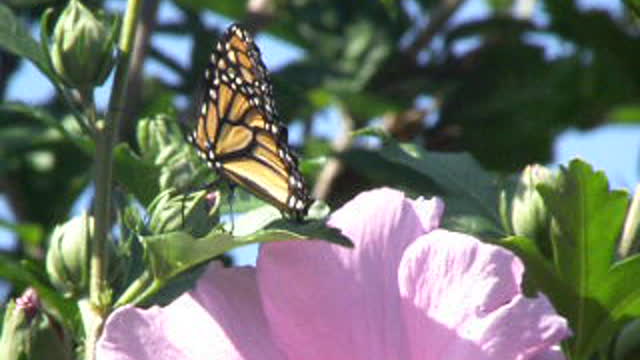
{"x": 612, "y": 148}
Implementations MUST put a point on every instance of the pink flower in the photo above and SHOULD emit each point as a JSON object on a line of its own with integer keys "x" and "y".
{"x": 408, "y": 290}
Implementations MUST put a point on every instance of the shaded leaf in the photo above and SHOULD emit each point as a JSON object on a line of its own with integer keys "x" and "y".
{"x": 470, "y": 192}
{"x": 176, "y": 286}
{"x": 540, "y": 271}
{"x": 15, "y": 37}
{"x": 31, "y": 234}
{"x": 136, "y": 175}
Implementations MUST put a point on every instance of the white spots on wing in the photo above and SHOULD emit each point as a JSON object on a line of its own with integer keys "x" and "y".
{"x": 232, "y": 56}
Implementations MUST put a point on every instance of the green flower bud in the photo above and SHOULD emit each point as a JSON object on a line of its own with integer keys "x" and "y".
{"x": 68, "y": 256}
{"x": 29, "y": 333}
{"x": 189, "y": 213}
{"x": 529, "y": 214}
{"x": 82, "y": 51}
{"x": 153, "y": 136}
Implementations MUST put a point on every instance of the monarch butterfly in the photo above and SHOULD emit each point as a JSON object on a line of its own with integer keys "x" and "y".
{"x": 238, "y": 132}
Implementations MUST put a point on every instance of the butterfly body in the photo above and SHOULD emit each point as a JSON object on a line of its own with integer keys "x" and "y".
{"x": 238, "y": 132}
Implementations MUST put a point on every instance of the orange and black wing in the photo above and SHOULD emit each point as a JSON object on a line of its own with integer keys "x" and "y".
{"x": 238, "y": 133}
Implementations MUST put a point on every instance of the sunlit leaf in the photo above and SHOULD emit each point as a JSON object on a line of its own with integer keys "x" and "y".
{"x": 586, "y": 285}
{"x": 172, "y": 253}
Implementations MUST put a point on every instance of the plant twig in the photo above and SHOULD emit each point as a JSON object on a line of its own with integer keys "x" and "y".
{"x": 167, "y": 61}
{"x": 135, "y": 289}
{"x": 106, "y": 131}
{"x": 334, "y": 166}
{"x": 130, "y": 108}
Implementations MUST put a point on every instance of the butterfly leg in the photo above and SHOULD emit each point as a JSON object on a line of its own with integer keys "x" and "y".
{"x": 232, "y": 192}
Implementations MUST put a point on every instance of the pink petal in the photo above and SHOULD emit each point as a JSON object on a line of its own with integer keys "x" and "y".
{"x": 552, "y": 354}
{"x": 327, "y": 302}
{"x": 462, "y": 300}
{"x": 221, "y": 319}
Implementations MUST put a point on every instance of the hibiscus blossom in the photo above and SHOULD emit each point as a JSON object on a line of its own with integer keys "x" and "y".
{"x": 408, "y": 290}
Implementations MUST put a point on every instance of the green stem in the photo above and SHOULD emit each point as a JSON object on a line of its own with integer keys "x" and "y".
{"x": 83, "y": 120}
{"x": 105, "y": 132}
{"x": 134, "y": 290}
{"x": 156, "y": 286}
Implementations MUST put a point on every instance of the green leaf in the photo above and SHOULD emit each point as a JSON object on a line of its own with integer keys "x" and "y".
{"x": 27, "y": 3}
{"x": 31, "y": 234}
{"x": 175, "y": 287}
{"x": 235, "y": 9}
{"x": 587, "y": 221}
{"x": 627, "y": 346}
{"x": 32, "y": 114}
{"x": 621, "y": 297}
{"x": 254, "y": 220}
{"x": 540, "y": 271}
{"x": 634, "y": 6}
{"x": 15, "y": 38}
{"x": 468, "y": 189}
{"x": 172, "y": 253}
{"x": 30, "y": 152}
{"x": 629, "y": 114}
{"x": 136, "y": 175}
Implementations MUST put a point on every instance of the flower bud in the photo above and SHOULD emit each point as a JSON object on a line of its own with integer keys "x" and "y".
{"x": 529, "y": 215}
{"x": 189, "y": 213}
{"x": 29, "y": 302}
{"x": 29, "y": 333}
{"x": 82, "y": 50}
{"x": 153, "y": 136}
{"x": 68, "y": 256}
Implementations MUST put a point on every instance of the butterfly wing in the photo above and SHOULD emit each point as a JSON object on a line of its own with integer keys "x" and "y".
{"x": 238, "y": 132}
